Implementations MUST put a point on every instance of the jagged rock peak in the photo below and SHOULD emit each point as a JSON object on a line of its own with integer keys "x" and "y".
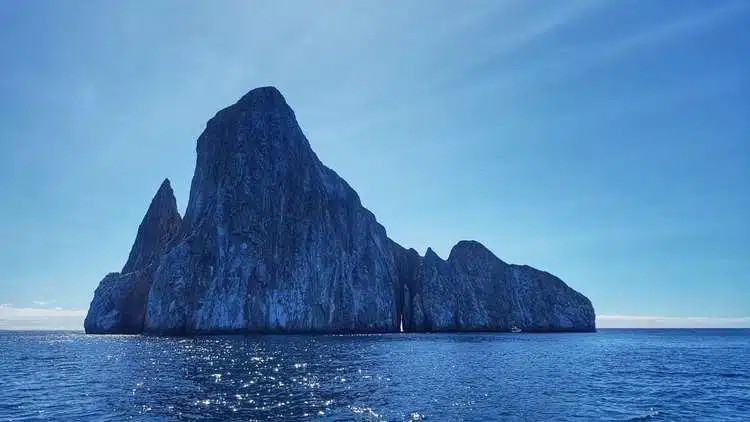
{"x": 119, "y": 303}
{"x": 430, "y": 254}
{"x": 165, "y": 188}
{"x": 158, "y": 228}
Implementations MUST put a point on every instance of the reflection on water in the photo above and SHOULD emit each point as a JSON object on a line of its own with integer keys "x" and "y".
{"x": 611, "y": 374}
{"x": 267, "y": 377}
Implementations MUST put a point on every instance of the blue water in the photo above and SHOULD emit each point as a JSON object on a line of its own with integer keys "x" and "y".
{"x": 614, "y": 375}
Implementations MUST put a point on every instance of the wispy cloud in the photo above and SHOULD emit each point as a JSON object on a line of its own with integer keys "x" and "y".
{"x": 641, "y": 321}
{"x": 43, "y": 302}
{"x": 582, "y": 59}
{"x": 12, "y": 318}
{"x": 677, "y": 28}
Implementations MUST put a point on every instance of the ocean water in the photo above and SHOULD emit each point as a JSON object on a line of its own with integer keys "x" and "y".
{"x": 616, "y": 375}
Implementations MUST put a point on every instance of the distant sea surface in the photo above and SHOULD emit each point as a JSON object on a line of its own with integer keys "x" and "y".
{"x": 616, "y": 375}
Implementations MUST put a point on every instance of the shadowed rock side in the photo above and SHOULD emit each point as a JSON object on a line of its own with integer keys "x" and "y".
{"x": 119, "y": 302}
{"x": 473, "y": 290}
{"x": 272, "y": 240}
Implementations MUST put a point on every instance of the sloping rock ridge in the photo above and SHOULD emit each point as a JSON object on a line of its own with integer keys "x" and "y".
{"x": 119, "y": 303}
{"x": 274, "y": 241}
{"x": 473, "y": 290}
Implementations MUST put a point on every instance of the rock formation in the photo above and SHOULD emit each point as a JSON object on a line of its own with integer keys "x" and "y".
{"x": 274, "y": 241}
{"x": 119, "y": 302}
{"x": 473, "y": 290}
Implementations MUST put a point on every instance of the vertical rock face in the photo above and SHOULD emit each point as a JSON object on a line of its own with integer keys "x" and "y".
{"x": 119, "y": 302}
{"x": 410, "y": 271}
{"x": 272, "y": 240}
{"x": 473, "y": 290}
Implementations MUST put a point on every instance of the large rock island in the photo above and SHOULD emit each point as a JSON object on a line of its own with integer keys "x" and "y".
{"x": 275, "y": 241}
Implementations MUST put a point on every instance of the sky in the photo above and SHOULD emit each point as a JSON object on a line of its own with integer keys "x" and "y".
{"x": 607, "y": 142}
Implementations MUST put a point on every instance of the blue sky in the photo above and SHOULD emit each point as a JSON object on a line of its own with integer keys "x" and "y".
{"x": 607, "y": 142}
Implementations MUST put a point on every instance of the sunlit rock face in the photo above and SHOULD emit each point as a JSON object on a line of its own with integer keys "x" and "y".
{"x": 272, "y": 240}
{"x": 119, "y": 303}
{"x": 473, "y": 290}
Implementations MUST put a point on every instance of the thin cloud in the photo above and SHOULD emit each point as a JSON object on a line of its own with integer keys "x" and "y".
{"x": 641, "y": 321}
{"x": 43, "y": 302}
{"x": 674, "y": 29}
{"x": 542, "y": 24}
{"x": 583, "y": 59}
{"x": 12, "y": 318}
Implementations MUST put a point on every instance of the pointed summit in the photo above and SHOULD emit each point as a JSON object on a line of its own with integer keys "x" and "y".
{"x": 119, "y": 303}
{"x": 431, "y": 255}
{"x": 165, "y": 186}
{"x": 159, "y": 227}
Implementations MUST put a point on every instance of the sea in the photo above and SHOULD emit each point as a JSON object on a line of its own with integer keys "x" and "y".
{"x": 612, "y": 375}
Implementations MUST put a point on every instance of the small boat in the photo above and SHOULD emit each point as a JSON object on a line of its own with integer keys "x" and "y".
{"x": 515, "y": 329}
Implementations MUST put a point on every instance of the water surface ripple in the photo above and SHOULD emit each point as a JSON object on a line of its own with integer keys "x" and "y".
{"x": 616, "y": 375}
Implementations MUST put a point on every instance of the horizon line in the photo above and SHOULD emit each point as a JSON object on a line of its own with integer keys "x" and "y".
{"x": 71, "y": 319}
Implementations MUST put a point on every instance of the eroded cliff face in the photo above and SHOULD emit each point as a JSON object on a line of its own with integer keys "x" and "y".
{"x": 473, "y": 290}
{"x": 272, "y": 239}
{"x": 119, "y": 303}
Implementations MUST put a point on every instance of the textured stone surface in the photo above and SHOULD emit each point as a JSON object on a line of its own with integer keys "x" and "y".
{"x": 157, "y": 231}
{"x": 119, "y": 303}
{"x": 473, "y": 290}
{"x": 272, "y": 239}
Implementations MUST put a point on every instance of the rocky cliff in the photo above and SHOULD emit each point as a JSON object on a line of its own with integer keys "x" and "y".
{"x": 473, "y": 290}
{"x": 274, "y": 241}
{"x": 119, "y": 302}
